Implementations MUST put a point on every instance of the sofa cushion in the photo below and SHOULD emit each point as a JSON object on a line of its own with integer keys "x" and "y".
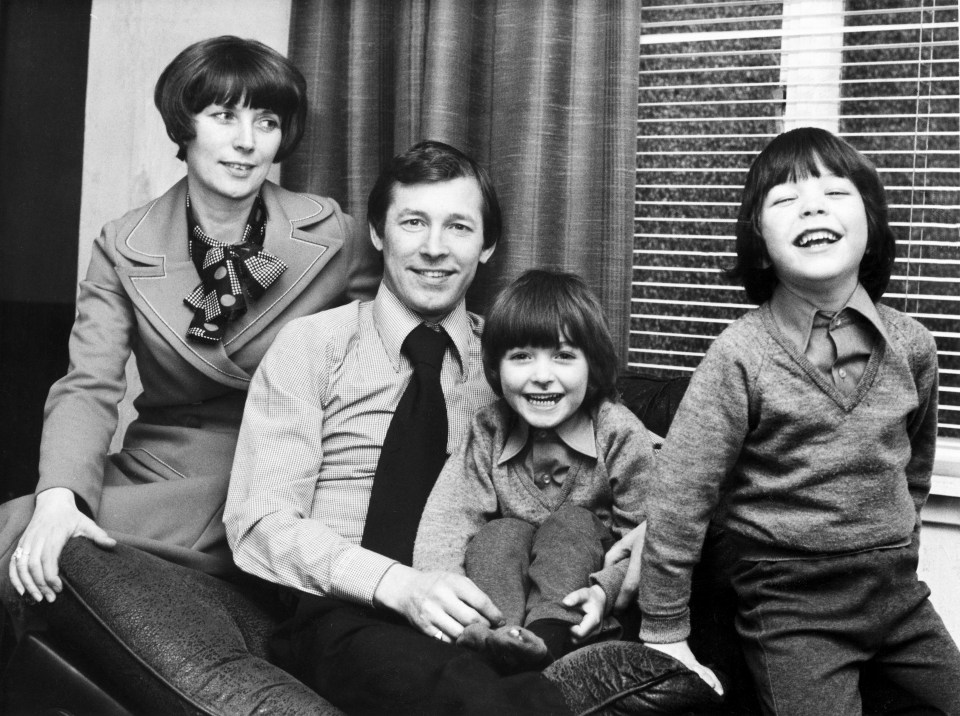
{"x": 653, "y": 400}
{"x": 172, "y": 640}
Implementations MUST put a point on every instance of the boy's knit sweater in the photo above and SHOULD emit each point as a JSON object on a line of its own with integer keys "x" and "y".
{"x": 788, "y": 462}
{"x": 473, "y": 489}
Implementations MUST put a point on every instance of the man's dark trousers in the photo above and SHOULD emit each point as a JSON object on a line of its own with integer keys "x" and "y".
{"x": 368, "y": 661}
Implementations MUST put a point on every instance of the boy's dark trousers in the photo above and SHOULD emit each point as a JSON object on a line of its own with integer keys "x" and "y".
{"x": 808, "y": 626}
{"x": 527, "y": 570}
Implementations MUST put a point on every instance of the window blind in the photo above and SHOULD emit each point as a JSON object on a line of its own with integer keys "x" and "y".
{"x": 718, "y": 80}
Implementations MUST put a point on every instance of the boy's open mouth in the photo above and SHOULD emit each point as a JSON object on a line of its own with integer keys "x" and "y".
{"x": 543, "y": 400}
{"x": 816, "y": 238}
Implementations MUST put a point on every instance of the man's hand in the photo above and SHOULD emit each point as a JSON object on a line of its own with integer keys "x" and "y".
{"x": 439, "y": 604}
{"x": 681, "y": 652}
{"x": 630, "y": 545}
{"x": 35, "y": 572}
{"x": 592, "y": 600}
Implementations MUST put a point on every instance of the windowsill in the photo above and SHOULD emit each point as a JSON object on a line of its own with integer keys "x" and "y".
{"x": 946, "y": 468}
{"x": 944, "y": 501}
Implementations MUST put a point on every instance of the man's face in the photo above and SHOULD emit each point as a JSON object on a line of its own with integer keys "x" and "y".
{"x": 432, "y": 243}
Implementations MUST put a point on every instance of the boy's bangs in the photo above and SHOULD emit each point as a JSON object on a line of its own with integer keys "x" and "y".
{"x": 532, "y": 328}
{"x": 540, "y": 320}
{"x": 805, "y": 159}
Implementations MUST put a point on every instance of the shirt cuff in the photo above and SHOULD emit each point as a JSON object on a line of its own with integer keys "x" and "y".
{"x": 357, "y": 575}
{"x": 610, "y": 580}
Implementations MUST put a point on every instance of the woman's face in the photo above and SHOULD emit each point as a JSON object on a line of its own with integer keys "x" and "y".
{"x": 232, "y": 152}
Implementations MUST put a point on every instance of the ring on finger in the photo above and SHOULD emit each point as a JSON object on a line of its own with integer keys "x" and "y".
{"x": 438, "y": 635}
{"x": 19, "y": 554}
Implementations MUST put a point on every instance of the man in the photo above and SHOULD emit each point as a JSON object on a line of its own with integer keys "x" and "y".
{"x": 372, "y": 634}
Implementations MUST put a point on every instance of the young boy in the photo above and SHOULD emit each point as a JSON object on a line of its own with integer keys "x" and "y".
{"x": 808, "y": 432}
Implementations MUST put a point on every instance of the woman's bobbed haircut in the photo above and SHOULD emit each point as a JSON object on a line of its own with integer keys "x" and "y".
{"x": 799, "y": 154}
{"x": 228, "y": 70}
{"x": 535, "y": 310}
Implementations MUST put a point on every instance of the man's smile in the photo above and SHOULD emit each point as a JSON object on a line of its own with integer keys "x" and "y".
{"x": 433, "y": 273}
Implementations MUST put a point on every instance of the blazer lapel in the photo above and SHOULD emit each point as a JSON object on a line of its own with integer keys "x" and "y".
{"x": 290, "y": 218}
{"x": 161, "y": 275}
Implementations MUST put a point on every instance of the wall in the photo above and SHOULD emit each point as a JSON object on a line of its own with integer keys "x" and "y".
{"x": 43, "y": 70}
{"x": 940, "y": 557}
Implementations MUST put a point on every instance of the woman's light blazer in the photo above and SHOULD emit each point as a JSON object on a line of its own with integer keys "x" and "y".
{"x": 169, "y": 481}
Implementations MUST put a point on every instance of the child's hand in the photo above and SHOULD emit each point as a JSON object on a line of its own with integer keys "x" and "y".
{"x": 592, "y": 600}
{"x": 681, "y": 652}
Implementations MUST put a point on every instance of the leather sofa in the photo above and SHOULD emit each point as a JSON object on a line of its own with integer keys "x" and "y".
{"x": 134, "y": 634}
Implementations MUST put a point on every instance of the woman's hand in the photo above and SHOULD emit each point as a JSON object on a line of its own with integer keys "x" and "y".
{"x": 35, "y": 569}
{"x": 681, "y": 652}
{"x": 592, "y": 600}
{"x": 440, "y": 604}
{"x": 630, "y": 545}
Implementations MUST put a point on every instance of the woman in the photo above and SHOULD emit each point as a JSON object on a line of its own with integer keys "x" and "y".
{"x": 197, "y": 284}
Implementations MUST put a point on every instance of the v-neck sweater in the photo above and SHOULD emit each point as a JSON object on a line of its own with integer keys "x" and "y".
{"x": 474, "y": 488}
{"x": 766, "y": 445}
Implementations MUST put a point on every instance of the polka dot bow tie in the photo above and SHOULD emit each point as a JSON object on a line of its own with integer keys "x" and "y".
{"x": 229, "y": 274}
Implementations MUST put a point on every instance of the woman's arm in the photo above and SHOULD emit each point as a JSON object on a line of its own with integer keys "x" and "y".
{"x": 80, "y": 418}
{"x": 80, "y": 415}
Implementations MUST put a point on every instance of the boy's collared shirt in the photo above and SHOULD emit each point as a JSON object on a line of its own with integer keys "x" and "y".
{"x": 547, "y": 454}
{"x": 839, "y": 344}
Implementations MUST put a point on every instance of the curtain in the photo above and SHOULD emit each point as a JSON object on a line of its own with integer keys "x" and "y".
{"x": 542, "y": 92}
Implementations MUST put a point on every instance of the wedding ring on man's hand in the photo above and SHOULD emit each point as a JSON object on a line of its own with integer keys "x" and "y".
{"x": 438, "y": 635}
{"x": 18, "y": 553}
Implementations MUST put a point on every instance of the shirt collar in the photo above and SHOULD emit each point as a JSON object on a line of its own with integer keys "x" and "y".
{"x": 794, "y": 314}
{"x": 394, "y": 321}
{"x": 577, "y": 433}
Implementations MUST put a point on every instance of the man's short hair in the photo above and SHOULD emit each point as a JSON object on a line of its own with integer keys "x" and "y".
{"x": 426, "y": 163}
{"x": 228, "y": 70}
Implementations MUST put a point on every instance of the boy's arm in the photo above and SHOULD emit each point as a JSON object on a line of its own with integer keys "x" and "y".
{"x": 701, "y": 449}
{"x": 922, "y": 428}
{"x": 629, "y": 459}
{"x": 461, "y": 502}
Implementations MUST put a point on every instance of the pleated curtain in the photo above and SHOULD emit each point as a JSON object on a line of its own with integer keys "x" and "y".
{"x": 542, "y": 92}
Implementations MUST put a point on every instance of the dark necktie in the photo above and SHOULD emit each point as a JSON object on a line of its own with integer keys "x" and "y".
{"x": 413, "y": 453}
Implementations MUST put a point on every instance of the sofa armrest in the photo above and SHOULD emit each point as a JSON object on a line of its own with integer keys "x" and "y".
{"x": 169, "y": 639}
